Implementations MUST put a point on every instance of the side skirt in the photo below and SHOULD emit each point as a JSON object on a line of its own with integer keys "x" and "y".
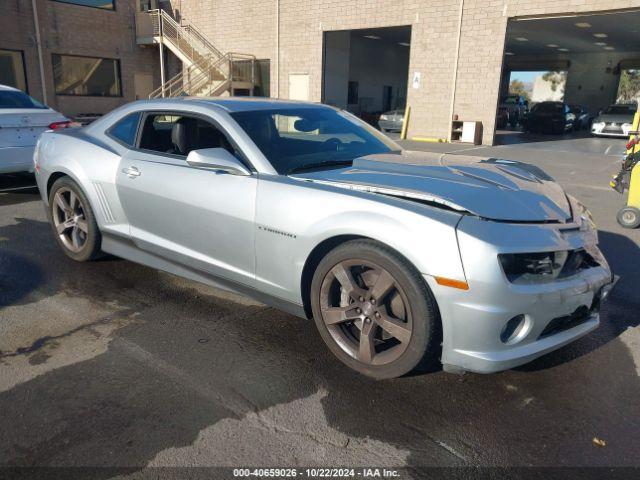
{"x": 125, "y": 248}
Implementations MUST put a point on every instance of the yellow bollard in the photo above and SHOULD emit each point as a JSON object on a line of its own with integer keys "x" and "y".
{"x": 405, "y": 123}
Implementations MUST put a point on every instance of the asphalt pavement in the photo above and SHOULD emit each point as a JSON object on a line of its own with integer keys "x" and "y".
{"x": 112, "y": 364}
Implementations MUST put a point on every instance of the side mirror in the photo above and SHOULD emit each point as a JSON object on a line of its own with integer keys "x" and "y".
{"x": 217, "y": 159}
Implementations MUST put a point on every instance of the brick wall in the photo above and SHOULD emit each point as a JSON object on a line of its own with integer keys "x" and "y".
{"x": 251, "y": 26}
{"x": 77, "y": 30}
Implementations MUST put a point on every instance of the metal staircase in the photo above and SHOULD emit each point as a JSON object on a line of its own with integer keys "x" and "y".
{"x": 206, "y": 71}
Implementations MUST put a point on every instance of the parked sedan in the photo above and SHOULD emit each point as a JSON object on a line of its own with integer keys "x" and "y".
{"x": 398, "y": 256}
{"x": 550, "y": 117}
{"x": 391, "y": 121}
{"x": 22, "y": 120}
{"x": 616, "y": 121}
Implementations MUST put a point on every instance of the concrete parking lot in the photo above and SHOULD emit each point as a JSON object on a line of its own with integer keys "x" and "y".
{"x": 114, "y": 364}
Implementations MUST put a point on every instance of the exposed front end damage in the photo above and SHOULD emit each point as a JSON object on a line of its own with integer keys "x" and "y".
{"x": 536, "y": 277}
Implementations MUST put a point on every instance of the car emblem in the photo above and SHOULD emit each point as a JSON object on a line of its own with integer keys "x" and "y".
{"x": 26, "y": 120}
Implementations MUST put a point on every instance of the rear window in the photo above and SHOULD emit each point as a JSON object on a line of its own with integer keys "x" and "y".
{"x": 621, "y": 110}
{"x": 125, "y": 130}
{"x": 548, "y": 107}
{"x": 13, "y": 99}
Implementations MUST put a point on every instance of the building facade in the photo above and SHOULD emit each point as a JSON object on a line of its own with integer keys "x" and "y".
{"x": 456, "y": 54}
{"x": 449, "y": 60}
{"x": 85, "y": 50}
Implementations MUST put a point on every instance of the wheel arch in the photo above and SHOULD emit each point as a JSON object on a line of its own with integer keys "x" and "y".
{"x": 322, "y": 249}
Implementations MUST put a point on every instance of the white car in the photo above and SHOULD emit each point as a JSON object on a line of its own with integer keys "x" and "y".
{"x": 22, "y": 120}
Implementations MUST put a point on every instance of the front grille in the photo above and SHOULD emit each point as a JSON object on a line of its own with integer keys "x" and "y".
{"x": 566, "y": 322}
{"x": 578, "y": 317}
{"x": 612, "y": 128}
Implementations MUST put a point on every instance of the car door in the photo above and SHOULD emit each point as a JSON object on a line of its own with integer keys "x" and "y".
{"x": 201, "y": 219}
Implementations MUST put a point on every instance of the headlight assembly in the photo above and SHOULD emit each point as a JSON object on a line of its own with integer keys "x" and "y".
{"x": 532, "y": 267}
{"x": 541, "y": 267}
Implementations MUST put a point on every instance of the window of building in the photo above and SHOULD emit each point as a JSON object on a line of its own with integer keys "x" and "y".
{"x": 86, "y": 76}
{"x": 104, "y": 4}
{"x": 125, "y": 130}
{"x": 12, "y": 71}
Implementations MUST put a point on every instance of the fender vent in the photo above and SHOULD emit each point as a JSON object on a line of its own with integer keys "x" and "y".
{"x": 103, "y": 204}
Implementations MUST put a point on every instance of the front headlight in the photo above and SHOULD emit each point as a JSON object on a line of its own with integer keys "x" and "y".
{"x": 384, "y": 117}
{"x": 598, "y": 125}
{"x": 626, "y": 128}
{"x": 532, "y": 267}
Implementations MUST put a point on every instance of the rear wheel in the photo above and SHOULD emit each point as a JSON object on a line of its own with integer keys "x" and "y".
{"x": 629, "y": 217}
{"x": 73, "y": 221}
{"x": 374, "y": 310}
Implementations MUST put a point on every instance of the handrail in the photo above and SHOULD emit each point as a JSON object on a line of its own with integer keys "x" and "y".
{"x": 193, "y": 31}
{"x": 209, "y": 68}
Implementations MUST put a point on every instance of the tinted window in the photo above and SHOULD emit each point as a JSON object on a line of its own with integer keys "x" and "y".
{"x": 178, "y": 135}
{"x": 13, "y": 99}
{"x": 125, "y": 130}
{"x": 105, "y": 4}
{"x": 548, "y": 107}
{"x": 86, "y": 76}
{"x": 294, "y": 138}
{"x": 620, "y": 110}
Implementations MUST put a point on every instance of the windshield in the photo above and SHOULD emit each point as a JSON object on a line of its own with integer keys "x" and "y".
{"x": 293, "y": 139}
{"x": 13, "y": 99}
{"x": 620, "y": 110}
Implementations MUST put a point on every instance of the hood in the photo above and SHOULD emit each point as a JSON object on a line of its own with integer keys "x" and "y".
{"x": 495, "y": 189}
{"x": 614, "y": 118}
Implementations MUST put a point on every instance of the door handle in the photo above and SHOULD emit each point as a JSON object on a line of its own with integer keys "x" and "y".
{"x": 131, "y": 172}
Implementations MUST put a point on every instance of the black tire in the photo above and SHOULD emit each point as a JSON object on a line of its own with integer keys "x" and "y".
{"x": 423, "y": 344}
{"x": 90, "y": 248}
{"x": 629, "y": 217}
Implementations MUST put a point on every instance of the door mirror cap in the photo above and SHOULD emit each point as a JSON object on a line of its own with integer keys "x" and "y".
{"x": 217, "y": 159}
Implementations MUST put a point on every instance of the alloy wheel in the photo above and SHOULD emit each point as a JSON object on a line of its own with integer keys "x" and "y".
{"x": 366, "y": 312}
{"x": 69, "y": 219}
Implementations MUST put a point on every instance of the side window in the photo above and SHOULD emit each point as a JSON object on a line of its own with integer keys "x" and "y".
{"x": 180, "y": 134}
{"x": 125, "y": 130}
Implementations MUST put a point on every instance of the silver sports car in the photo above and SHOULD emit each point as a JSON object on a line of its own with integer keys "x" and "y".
{"x": 401, "y": 258}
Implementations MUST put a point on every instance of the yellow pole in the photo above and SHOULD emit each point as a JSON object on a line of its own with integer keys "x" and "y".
{"x": 634, "y": 181}
{"x": 405, "y": 123}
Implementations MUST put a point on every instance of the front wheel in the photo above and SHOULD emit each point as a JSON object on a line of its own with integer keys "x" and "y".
{"x": 73, "y": 222}
{"x": 629, "y": 217}
{"x": 374, "y": 310}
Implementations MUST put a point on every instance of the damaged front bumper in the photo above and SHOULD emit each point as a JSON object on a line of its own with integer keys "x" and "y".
{"x": 497, "y": 324}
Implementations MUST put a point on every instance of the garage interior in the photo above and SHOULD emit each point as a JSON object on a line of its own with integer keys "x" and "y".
{"x": 587, "y": 56}
{"x": 366, "y": 71}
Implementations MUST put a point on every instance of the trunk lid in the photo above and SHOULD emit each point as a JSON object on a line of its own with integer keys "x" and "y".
{"x": 22, "y": 126}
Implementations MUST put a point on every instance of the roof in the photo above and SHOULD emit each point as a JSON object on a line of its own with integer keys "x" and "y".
{"x": 243, "y": 104}
{"x": 7, "y": 87}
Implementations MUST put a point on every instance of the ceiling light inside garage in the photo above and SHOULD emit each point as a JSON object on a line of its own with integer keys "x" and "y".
{"x": 583, "y": 25}
{"x": 600, "y": 44}
{"x": 609, "y": 48}
{"x": 563, "y": 50}
{"x": 600, "y": 35}
{"x": 553, "y": 45}
{"x": 509, "y": 53}
{"x": 522, "y": 39}
{"x": 404, "y": 44}
{"x": 372, "y": 37}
